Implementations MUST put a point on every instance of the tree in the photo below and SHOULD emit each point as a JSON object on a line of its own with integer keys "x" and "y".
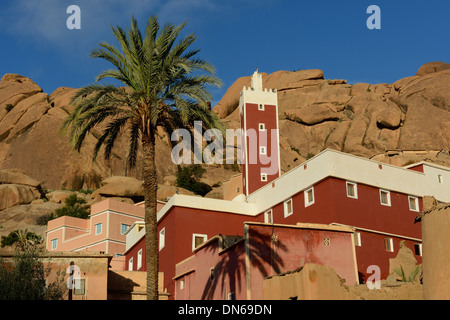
{"x": 21, "y": 240}
{"x": 25, "y": 278}
{"x": 75, "y": 207}
{"x": 188, "y": 177}
{"x": 165, "y": 86}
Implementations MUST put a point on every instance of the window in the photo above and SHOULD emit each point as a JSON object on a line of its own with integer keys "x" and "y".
{"x": 385, "y": 198}
{"x": 413, "y": 204}
{"x": 262, "y": 150}
{"x": 54, "y": 244}
{"x": 123, "y": 228}
{"x": 288, "y": 208}
{"x": 352, "y": 191}
{"x": 440, "y": 179}
{"x": 357, "y": 239}
{"x": 262, "y": 127}
{"x": 139, "y": 260}
{"x": 388, "y": 244}
{"x": 212, "y": 274}
{"x": 80, "y": 288}
{"x": 268, "y": 216}
{"x": 263, "y": 176}
{"x": 418, "y": 249}
{"x": 326, "y": 241}
{"x": 182, "y": 284}
{"x": 198, "y": 239}
{"x": 130, "y": 264}
{"x": 261, "y": 107}
{"x": 98, "y": 228}
{"x": 309, "y": 197}
{"x": 162, "y": 238}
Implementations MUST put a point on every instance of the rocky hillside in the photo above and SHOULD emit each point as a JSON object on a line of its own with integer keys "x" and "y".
{"x": 402, "y": 122}
{"x": 398, "y": 123}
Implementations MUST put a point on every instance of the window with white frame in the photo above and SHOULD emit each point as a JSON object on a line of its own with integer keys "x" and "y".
{"x": 123, "y": 228}
{"x": 162, "y": 238}
{"x": 418, "y": 249}
{"x": 130, "y": 264}
{"x": 357, "y": 238}
{"x": 263, "y": 176}
{"x": 413, "y": 203}
{"x": 389, "y": 244}
{"x": 262, "y": 150}
{"x": 54, "y": 244}
{"x": 385, "y": 197}
{"x": 139, "y": 259}
{"x": 352, "y": 190}
{"x": 261, "y": 107}
{"x": 181, "y": 284}
{"x": 288, "y": 210}
{"x": 198, "y": 239}
{"x": 268, "y": 216}
{"x": 98, "y": 228}
{"x": 309, "y": 197}
{"x": 262, "y": 127}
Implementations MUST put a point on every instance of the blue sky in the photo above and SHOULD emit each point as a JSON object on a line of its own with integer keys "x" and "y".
{"x": 234, "y": 35}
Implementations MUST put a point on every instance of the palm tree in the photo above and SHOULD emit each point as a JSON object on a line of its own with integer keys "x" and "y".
{"x": 164, "y": 85}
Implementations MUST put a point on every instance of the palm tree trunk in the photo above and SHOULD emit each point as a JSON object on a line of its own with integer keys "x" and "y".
{"x": 151, "y": 237}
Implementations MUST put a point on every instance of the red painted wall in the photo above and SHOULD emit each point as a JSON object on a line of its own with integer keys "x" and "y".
{"x": 181, "y": 223}
{"x": 133, "y": 253}
{"x": 292, "y": 248}
{"x": 274, "y": 250}
{"x": 253, "y": 118}
{"x": 333, "y": 206}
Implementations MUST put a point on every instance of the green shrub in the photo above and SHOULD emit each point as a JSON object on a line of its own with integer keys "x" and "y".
{"x": 189, "y": 178}
{"x": 21, "y": 239}
{"x": 9, "y": 107}
{"x": 75, "y": 207}
{"x": 25, "y": 278}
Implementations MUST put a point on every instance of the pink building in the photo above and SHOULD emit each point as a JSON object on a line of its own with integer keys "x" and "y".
{"x": 235, "y": 267}
{"x": 103, "y": 232}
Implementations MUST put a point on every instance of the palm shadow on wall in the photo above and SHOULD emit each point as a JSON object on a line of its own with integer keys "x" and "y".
{"x": 263, "y": 254}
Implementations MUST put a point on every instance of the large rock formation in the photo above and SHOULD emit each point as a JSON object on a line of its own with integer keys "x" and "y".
{"x": 380, "y": 121}
{"x": 17, "y": 188}
{"x": 30, "y": 139}
{"x": 369, "y": 120}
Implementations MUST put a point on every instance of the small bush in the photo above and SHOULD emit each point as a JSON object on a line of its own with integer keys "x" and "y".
{"x": 9, "y": 107}
{"x": 189, "y": 178}
{"x": 309, "y": 155}
{"x": 75, "y": 207}
{"x": 26, "y": 278}
{"x": 21, "y": 239}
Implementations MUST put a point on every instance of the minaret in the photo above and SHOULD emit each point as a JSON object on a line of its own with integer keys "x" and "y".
{"x": 258, "y": 109}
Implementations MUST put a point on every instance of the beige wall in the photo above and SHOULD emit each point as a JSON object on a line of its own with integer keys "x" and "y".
{"x": 436, "y": 253}
{"x": 93, "y": 269}
{"x": 317, "y": 282}
{"x": 131, "y": 285}
{"x": 313, "y": 282}
{"x": 233, "y": 187}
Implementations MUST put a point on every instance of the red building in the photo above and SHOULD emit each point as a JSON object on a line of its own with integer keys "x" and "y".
{"x": 378, "y": 201}
{"x": 258, "y": 109}
{"x": 234, "y": 268}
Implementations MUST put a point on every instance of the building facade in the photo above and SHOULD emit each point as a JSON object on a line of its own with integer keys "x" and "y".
{"x": 234, "y": 268}
{"x": 103, "y": 232}
{"x": 378, "y": 201}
